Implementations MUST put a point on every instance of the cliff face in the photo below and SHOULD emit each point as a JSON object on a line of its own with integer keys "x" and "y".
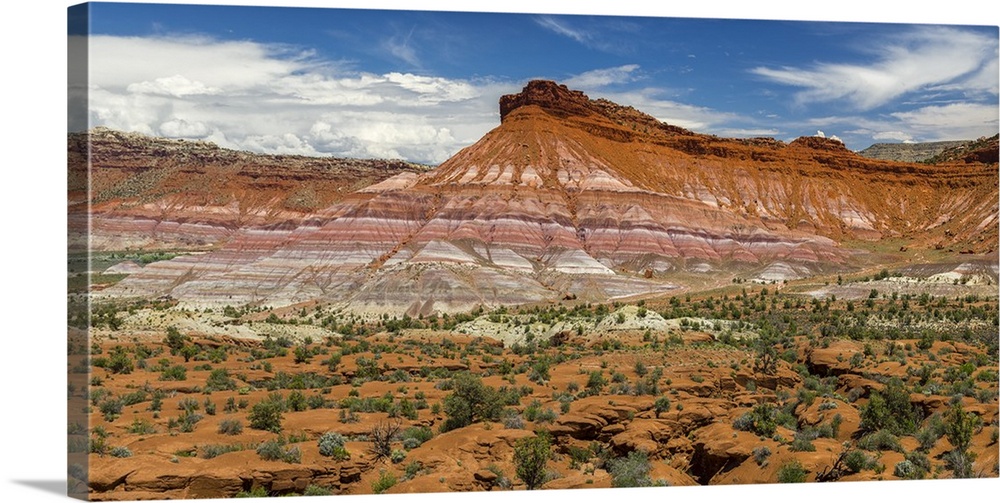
{"x": 908, "y": 152}
{"x": 579, "y": 197}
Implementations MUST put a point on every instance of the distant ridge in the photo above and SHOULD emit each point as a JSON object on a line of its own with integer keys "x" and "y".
{"x": 909, "y": 152}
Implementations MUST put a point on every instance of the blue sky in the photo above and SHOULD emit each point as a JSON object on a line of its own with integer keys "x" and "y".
{"x": 422, "y": 85}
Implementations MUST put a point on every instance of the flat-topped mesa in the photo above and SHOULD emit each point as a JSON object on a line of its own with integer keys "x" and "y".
{"x": 553, "y": 97}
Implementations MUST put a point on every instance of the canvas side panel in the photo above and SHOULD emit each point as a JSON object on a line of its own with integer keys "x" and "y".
{"x": 78, "y": 256}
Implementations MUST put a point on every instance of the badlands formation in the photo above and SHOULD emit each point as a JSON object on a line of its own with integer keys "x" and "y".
{"x": 568, "y": 198}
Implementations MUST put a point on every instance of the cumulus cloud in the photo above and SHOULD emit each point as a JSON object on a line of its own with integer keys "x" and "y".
{"x": 180, "y": 128}
{"x": 925, "y": 58}
{"x": 279, "y": 99}
{"x": 601, "y": 77}
{"x": 176, "y": 85}
{"x": 953, "y": 121}
{"x": 892, "y": 136}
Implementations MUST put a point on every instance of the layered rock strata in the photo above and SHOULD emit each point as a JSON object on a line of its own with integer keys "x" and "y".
{"x": 581, "y": 198}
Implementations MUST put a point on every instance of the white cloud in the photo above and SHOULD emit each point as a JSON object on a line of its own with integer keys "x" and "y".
{"x": 177, "y": 86}
{"x": 747, "y": 132}
{"x": 400, "y": 48}
{"x": 892, "y": 135}
{"x": 957, "y": 121}
{"x": 563, "y": 29}
{"x": 594, "y": 79}
{"x": 924, "y": 59}
{"x": 597, "y": 36}
{"x": 695, "y": 118}
{"x": 278, "y": 99}
{"x": 179, "y": 128}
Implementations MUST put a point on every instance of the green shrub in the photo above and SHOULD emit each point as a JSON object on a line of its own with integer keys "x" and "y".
{"x": 219, "y": 380}
{"x": 661, "y": 405}
{"x": 266, "y": 415}
{"x": 119, "y": 362}
{"x": 791, "y": 472}
{"x": 760, "y": 420}
{"x": 314, "y": 490}
{"x": 471, "y": 401}
{"x": 531, "y": 454}
{"x": 175, "y": 373}
{"x": 385, "y": 480}
{"x": 919, "y": 465}
{"x": 256, "y": 492}
{"x": 890, "y": 409}
{"x": 960, "y": 426}
{"x": 856, "y": 461}
{"x": 141, "y": 427}
{"x": 111, "y": 408}
{"x": 296, "y": 401}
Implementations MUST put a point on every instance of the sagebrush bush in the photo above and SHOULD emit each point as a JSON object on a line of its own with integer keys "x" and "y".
{"x": 856, "y": 461}
{"x": 230, "y": 427}
{"x": 630, "y": 471}
{"x": 512, "y": 420}
{"x": 331, "y": 445}
{"x": 415, "y": 436}
{"x": 904, "y": 469}
{"x": 121, "y": 452}
{"x": 882, "y": 440}
{"x": 215, "y": 450}
{"x": 275, "y": 450}
{"x": 802, "y": 444}
{"x": 397, "y": 456}
{"x": 760, "y": 454}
